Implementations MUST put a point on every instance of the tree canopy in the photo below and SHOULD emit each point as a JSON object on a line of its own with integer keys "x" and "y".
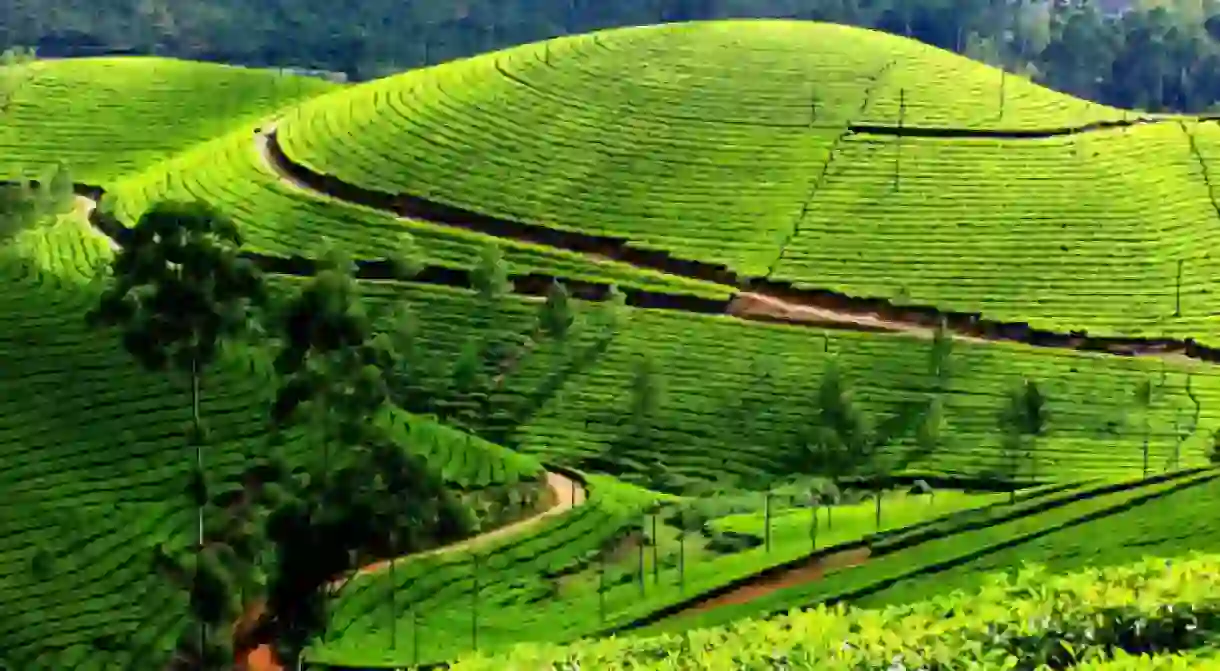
{"x": 1154, "y": 55}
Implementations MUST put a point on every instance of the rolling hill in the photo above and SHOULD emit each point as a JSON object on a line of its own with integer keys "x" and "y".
{"x": 728, "y": 175}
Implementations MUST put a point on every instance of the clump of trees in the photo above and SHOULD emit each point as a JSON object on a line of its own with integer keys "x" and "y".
{"x": 180, "y": 295}
{"x": 1023, "y": 419}
{"x": 25, "y": 202}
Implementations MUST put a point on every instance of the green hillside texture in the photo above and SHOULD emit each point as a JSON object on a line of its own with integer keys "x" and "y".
{"x": 837, "y": 173}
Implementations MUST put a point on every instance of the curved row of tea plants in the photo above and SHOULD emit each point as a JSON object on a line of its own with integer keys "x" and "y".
{"x": 513, "y": 577}
{"x": 969, "y": 547}
{"x": 109, "y": 117}
{"x": 279, "y": 218}
{"x": 704, "y": 140}
{"x": 737, "y": 395}
{"x": 95, "y": 467}
{"x": 1169, "y": 605}
{"x": 542, "y": 595}
{"x": 1087, "y": 232}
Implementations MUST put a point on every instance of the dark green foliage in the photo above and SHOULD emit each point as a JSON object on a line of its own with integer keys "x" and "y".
{"x": 1022, "y": 419}
{"x": 1162, "y": 58}
{"x": 647, "y": 392}
{"x": 56, "y": 191}
{"x": 556, "y": 315}
{"x": 373, "y": 499}
{"x": 179, "y": 287}
{"x": 490, "y": 276}
{"x": 19, "y": 208}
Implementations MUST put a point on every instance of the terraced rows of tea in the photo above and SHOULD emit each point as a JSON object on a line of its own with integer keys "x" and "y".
{"x": 726, "y": 142}
{"x": 1084, "y": 232}
{"x": 1096, "y": 525}
{"x": 701, "y": 140}
{"x": 275, "y": 217}
{"x": 737, "y": 394}
{"x": 108, "y": 117}
{"x": 95, "y": 466}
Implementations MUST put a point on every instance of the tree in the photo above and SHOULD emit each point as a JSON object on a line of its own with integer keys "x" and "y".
{"x": 490, "y": 275}
{"x": 843, "y": 438}
{"x": 19, "y": 207}
{"x": 179, "y": 292}
{"x": 13, "y": 72}
{"x": 57, "y": 193}
{"x": 1143, "y": 400}
{"x": 375, "y": 496}
{"x": 1035, "y": 424}
{"x": 647, "y": 392}
{"x": 407, "y": 260}
{"x": 1022, "y": 420}
{"x": 614, "y": 312}
{"x": 556, "y": 314}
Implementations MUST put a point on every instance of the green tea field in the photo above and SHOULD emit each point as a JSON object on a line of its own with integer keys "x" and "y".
{"x": 710, "y": 345}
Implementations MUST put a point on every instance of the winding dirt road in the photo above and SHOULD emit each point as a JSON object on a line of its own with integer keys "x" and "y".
{"x": 751, "y": 300}
{"x": 564, "y": 494}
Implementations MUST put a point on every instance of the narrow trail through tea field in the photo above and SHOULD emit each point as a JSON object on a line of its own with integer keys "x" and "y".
{"x": 801, "y": 574}
{"x": 565, "y": 493}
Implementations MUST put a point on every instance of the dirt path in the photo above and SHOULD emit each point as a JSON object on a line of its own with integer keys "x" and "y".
{"x": 565, "y": 494}
{"x": 751, "y": 305}
{"x": 84, "y": 209}
{"x": 798, "y": 575}
{"x": 828, "y": 312}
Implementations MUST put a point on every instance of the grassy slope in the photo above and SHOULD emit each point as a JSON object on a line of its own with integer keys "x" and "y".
{"x": 95, "y": 465}
{"x": 913, "y": 570}
{"x": 108, "y": 117}
{"x": 278, "y": 218}
{"x": 696, "y": 139}
{"x": 518, "y": 602}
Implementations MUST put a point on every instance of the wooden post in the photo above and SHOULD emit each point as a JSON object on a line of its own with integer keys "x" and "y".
{"x": 474, "y": 611}
{"x": 640, "y": 576}
{"x": 1003, "y": 82}
{"x": 656, "y": 576}
{"x": 813, "y": 522}
{"x": 902, "y": 112}
{"x": 682, "y": 559}
{"x": 601, "y": 590}
{"x": 1177, "y": 301}
{"x": 767, "y": 520}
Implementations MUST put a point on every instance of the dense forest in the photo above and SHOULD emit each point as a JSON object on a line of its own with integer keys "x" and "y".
{"x": 1157, "y": 55}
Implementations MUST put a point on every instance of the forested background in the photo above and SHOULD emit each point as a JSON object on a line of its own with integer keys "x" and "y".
{"x": 1157, "y": 56}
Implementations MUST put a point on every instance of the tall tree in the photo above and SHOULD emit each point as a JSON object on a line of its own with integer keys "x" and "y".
{"x": 56, "y": 191}
{"x": 333, "y": 369}
{"x": 19, "y": 207}
{"x": 647, "y": 392}
{"x": 490, "y": 275}
{"x": 179, "y": 292}
{"x": 1022, "y": 419}
{"x": 556, "y": 315}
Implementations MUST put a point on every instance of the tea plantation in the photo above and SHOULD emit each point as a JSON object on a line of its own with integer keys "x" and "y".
{"x": 647, "y": 478}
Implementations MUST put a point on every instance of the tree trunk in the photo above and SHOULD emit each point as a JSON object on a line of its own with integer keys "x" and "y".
{"x": 198, "y": 440}
{"x": 393, "y": 611}
{"x": 878, "y": 511}
{"x": 198, "y": 435}
{"x": 1145, "y": 447}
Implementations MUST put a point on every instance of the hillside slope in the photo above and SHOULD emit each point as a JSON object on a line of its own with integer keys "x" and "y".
{"x": 809, "y": 154}
{"x": 95, "y": 466}
{"x": 108, "y": 117}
